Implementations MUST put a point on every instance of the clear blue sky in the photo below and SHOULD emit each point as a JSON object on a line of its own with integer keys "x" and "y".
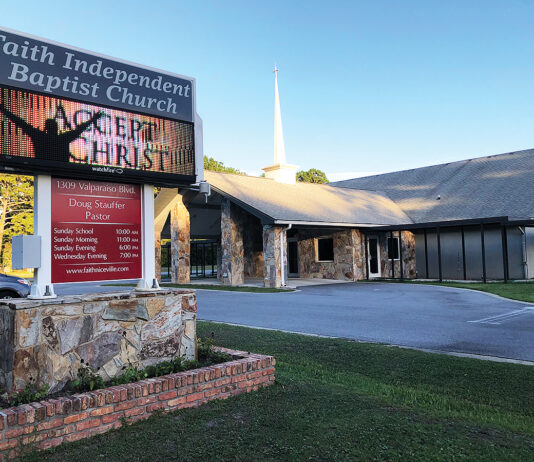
{"x": 365, "y": 86}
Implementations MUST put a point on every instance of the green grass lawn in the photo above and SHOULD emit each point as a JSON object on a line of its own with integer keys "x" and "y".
{"x": 339, "y": 400}
{"x": 523, "y": 291}
{"x": 262, "y": 290}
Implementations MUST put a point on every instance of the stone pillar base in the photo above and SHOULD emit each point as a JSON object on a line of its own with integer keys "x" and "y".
{"x": 232, "y": 269}
{"x": 180, "y": 244}
{"x": 273, "y": 238}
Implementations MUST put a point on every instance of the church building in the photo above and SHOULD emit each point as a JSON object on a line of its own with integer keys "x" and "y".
{"x": 470, "y": 220}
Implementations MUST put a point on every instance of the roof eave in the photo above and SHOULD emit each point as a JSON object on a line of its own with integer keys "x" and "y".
{"x": 329, "y": 224}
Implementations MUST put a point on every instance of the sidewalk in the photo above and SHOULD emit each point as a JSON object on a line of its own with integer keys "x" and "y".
{"x": 293, "y": 283}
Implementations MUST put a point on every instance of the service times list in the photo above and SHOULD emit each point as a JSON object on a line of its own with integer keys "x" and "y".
{"x": 96, "y": 231}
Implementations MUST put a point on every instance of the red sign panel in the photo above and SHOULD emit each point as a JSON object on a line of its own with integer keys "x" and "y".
{"x": 96, "y": 231}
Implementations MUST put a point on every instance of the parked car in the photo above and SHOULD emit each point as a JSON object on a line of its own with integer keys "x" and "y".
{"x": 13, "y": 287}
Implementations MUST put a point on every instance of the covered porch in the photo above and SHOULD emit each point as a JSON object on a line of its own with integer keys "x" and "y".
{"x": 251, "y": 227}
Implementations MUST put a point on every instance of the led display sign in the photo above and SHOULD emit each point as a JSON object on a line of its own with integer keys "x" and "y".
{"x": 42, "y": 132}
{"x": 64, "y": 111}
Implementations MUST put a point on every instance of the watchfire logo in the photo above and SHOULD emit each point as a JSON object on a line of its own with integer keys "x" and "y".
{"x": 118, "y": 171}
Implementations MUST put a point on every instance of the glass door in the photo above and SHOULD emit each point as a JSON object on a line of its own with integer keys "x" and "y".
{"x": 374, "y": 257}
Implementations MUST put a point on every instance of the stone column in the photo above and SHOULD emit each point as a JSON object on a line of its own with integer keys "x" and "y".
{"x": 157, "y": 245}
{"x": 358, "y": 255}
{"x": 272, "y": 276}
{"x": 232, "y": 252}
{"x": 408, "y": 255}
{"x": 180, "y": 244}
{"x": 219, "y": 262}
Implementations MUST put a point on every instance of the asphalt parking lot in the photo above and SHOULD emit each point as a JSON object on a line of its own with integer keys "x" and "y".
{"x": 419, "y": 316}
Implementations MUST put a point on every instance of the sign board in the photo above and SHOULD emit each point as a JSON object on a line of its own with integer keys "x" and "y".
{"x": 96, "y": 231}
{"x": 73, "y": 112}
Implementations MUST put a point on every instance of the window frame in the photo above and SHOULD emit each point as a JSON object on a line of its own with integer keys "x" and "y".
{"x": 395, "y": 238}
{"x": 316, "y": 241}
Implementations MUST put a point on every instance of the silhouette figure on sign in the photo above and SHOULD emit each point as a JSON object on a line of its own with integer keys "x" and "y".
{"x": 50, "y": 144}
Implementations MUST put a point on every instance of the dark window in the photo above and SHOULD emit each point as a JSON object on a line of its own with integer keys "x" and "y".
{"x": 293, "y": 257}
{"x": 325, "y": 249}
{"x": 393, "y": 248}
{"x": 373, "y": 255}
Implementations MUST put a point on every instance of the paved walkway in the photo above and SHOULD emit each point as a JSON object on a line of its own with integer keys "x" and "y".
{"x": 420, "y": 316}
{"x": 258, "y": 282}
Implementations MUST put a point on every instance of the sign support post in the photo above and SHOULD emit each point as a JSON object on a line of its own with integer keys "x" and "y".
{"x": 42, "y": 284}
{"x": 148, "y": 281}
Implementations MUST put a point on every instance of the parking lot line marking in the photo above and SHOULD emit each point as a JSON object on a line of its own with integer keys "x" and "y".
{"x": 500, "y": 318}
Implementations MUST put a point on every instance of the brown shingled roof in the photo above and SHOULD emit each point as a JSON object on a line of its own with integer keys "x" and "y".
{"x": 319, "y": 204}
{"x": 492, "y": 186}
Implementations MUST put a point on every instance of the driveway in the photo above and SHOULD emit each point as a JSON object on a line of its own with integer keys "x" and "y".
{"x": 420, "y": 316}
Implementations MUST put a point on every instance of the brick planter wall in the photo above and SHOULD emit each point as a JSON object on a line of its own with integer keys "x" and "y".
{"x": 54, "y": 421}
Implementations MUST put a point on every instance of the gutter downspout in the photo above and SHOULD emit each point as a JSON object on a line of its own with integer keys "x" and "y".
{"x": 282, "y": 265}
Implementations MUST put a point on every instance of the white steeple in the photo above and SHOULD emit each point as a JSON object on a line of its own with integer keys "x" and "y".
{"x": 279, "y": 148}
{"x": 279, "y": 171}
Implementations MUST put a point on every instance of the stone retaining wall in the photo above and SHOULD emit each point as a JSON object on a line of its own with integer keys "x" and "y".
{"x": 54, "y": 421}
{"x": 46, "y": 340}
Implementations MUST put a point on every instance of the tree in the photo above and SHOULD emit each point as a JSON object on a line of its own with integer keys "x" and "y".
{"x": 16, "y": 212}
{"x": 312, "y": 176}
{"x": 215, "y": 166}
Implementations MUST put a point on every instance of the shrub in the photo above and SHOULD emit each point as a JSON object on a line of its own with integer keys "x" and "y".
{"x": 191, "y": 364}
{"x": 30, "y": 394}
{"x": 207, "y": 355}
{"x": 131, "y": 374}
{"x": 88, "y": 379}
